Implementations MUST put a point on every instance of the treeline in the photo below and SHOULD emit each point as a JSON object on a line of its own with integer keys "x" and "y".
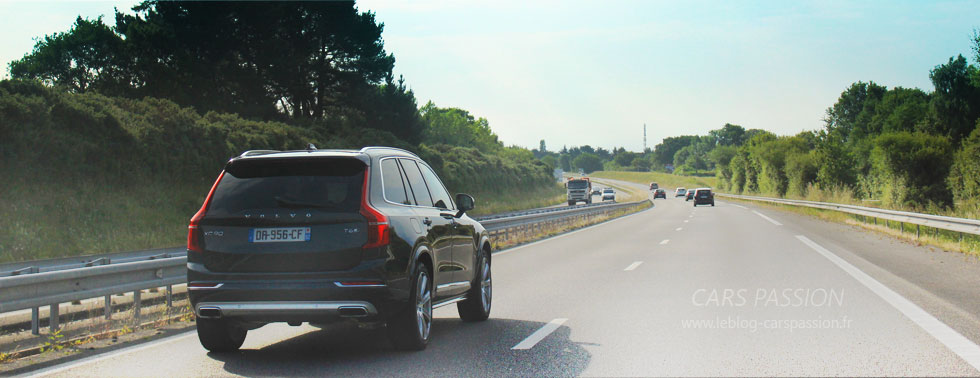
{"x": 178, "y": 87}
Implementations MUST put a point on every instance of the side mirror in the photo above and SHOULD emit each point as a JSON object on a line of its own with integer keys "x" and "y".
{"x": 465, "y": 202}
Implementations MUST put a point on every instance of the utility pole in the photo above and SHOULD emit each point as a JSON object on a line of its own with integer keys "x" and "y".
{"x": 644, "y": 137}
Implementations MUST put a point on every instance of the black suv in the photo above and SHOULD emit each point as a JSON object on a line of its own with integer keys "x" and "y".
{"x": 703, "y": 196}
{"x": 322, "y": 236}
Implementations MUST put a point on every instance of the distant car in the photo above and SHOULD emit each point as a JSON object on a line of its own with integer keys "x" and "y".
{"x": 690, "y": 195}
{"x": 596, "y": 191}
{"x": 659, "y": 193}
{"x": 703, "y": 196}
{"x": 654, "y": 186}
{"x": 680, "y": 192}
{"x": 608, "y": 194}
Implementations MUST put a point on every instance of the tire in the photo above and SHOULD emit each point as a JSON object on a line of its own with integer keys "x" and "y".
{"x": 712, "y": 204}
{"x": 479, "y": 299}
{"x": 588, "y": 201}
{"x": 571, "y": 203}
{"x": 410, "y": 329}
{"x": 220, "y": 336}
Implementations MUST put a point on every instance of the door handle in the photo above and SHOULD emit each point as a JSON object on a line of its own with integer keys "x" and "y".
{"x": 427, "y": 221}
{"x": 450, "y": 216}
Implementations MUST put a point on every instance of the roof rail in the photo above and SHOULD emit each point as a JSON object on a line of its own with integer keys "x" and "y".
{"x": 257, "y": 152}
{"x": 388, "y": 148}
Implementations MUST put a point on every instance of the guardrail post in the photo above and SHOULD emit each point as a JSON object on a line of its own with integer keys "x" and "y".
{"x": 901, "y": 227}
{"x": 917, "y": 231}
{"x": 108, "y": 307}
{"x": 35, "y": 321}
{"x": 170, "y": 296}
{"x": 53, "y": 317}
{"x": 136, "y": 306}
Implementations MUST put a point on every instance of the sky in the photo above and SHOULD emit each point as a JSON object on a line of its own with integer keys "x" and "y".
{"x": 594, "y": 72}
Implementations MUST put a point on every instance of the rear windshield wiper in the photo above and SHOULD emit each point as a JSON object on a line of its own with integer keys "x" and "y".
{"x": 294, "y": 204}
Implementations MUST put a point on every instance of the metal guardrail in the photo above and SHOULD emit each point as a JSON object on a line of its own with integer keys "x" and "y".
{"x": 963, "y": 225}
{"x": 41, "y": 266}
{"x": 34, "y": 284}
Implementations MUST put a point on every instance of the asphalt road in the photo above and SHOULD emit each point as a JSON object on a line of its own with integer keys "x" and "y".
{"x": 675, "y": 290}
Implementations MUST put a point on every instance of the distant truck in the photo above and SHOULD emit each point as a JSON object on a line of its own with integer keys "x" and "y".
{"x": 578, "y": 189}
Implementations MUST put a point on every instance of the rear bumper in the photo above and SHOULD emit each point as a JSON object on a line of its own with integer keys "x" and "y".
{"x": 297, "y": 297}
{"x": 285, "y": 310}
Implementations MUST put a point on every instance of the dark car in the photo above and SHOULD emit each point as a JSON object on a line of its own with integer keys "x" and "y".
{"x": 689, "y": 196}
{"x": 322, "y": 236}
{"x": 660, "y": 193}
{"x": 703, "y": 196}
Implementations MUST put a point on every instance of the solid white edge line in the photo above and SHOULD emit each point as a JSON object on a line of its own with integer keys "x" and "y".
{"x": 773, "y": 221}
{"x": 665, "y": 241}
{"x": 956, "y": 342}
{"x": 101, "y": 357}
{"x": 539, "y": 335}
{"x": 512, "y": 249}
{"x": 632, "y": 266}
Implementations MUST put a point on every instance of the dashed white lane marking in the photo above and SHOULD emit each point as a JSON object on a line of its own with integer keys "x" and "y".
{"x": 686, "y": 220}
{"x": 679, "y": 228}
{"x": 960, "y": 345}
{"x": 773, "y": 221}
{"x": 633, "y": 266}
{"x": 102, "y": 357}
{"x": 740, "y": 206}
{"x": 665, "y": 241}
{"x": 539, "y": 335}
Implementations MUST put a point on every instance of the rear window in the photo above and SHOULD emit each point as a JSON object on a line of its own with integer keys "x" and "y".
{"x": 332, "y": 185}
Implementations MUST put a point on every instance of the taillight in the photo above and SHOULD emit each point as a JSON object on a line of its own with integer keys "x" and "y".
{"x": 377, "y": 223}
{"x": 195, "y": 238}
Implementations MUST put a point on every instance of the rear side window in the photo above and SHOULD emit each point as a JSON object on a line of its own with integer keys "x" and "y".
{"x": 332, "y": 185}
{"x": 416, "y": 183}
{"x": 393, "y": 184}
{"x": 440, "y": 197}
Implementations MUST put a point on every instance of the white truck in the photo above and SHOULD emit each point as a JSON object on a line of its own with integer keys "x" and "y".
{"x": 578, "y": 190}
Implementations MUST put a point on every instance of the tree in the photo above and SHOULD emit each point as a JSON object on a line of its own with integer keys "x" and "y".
{"x": 588, "y": 162}
{"x": 665, "y": 150}
{"x": 85, "y": 57}
{"x": 259, "y": 59}
{"x": 542, "y": 147}
{"x": 550, "y": 161}
{"x": 565, "y": 162}
{"x": 956, "y": 101}
{"x": 911, "y": 168}
{"x": 964, "y": 177}
{"x": 729, "y": 135}
{"x": 456, "y": 127}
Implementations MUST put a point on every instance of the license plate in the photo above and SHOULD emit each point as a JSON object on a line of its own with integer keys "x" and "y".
{"x": 273, "y": 235}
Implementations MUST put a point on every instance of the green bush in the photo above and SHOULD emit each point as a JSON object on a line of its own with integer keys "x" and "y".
{"x": 910, "y": 169}
{"x": 964, "y": 175}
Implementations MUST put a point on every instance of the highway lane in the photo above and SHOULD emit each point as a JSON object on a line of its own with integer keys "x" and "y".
{"x": 669, "y": 291}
